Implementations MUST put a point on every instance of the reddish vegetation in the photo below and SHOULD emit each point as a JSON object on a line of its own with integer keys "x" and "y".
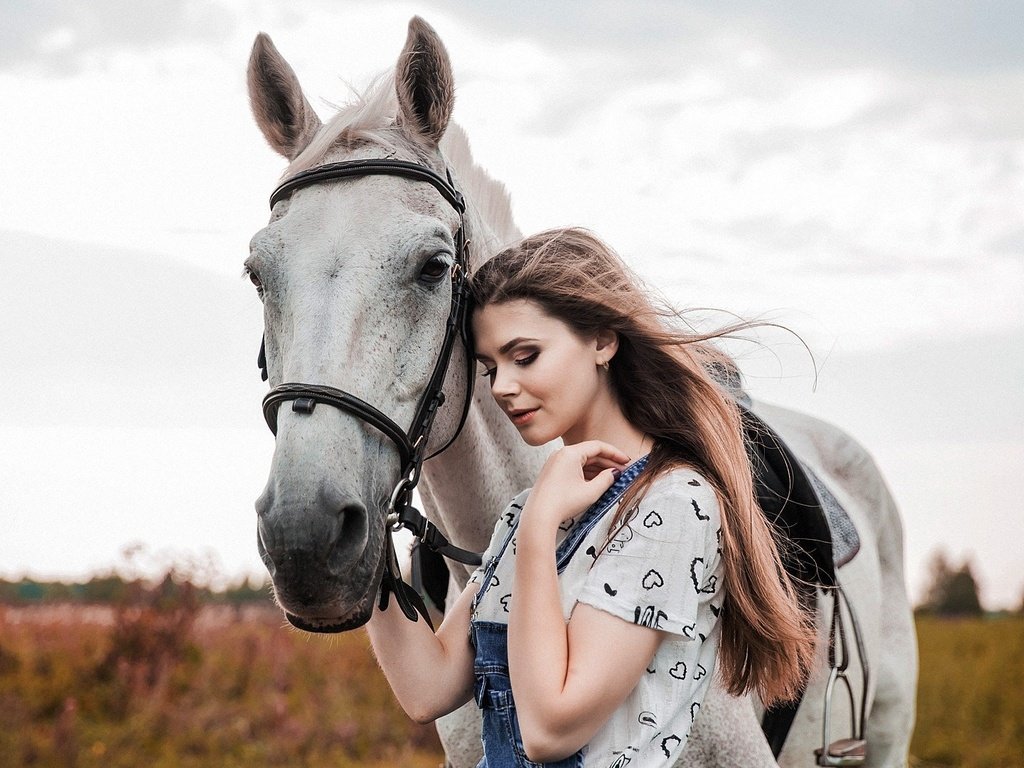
{"x": 168, "y": 683}
{"x": 161, "y": 680}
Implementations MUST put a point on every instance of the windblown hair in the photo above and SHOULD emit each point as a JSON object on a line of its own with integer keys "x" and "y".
{"x": 664, "y": 379}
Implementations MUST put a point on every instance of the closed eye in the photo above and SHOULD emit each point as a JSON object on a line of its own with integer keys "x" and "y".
{"x": 254, "y": 278}
{"x": 488, "y": 373}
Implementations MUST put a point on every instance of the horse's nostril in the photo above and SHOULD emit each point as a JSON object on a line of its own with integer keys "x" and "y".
{"x": 351, "y": 537}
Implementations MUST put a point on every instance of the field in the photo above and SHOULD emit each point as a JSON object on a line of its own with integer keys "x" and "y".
{"x": 227, "y": 687}
{"x": 970, "y": 696}
{"x": 230, "y": 686}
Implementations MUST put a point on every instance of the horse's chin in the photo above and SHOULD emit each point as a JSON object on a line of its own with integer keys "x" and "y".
{"x": 330, "y": 626}
{"x": 356, "y": 617}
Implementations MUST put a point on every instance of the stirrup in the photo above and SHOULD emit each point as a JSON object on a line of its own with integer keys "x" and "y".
{"x": 842, "y": 752}
{"x": 852, "y": 750}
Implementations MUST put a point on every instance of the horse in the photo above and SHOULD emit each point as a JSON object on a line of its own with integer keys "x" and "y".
{"x": 357, "y": 274}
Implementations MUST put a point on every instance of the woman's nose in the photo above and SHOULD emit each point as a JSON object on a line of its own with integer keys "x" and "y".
{"x": 505, "y": 383}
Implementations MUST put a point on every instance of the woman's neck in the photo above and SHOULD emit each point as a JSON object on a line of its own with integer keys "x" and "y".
{"x": 606, "y": 422}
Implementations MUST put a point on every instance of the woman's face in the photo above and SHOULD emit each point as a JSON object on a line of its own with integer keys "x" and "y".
{"x": 542, "y": 373}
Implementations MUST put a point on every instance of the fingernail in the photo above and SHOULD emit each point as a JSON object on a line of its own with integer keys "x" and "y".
{"x": 616, "y": 473}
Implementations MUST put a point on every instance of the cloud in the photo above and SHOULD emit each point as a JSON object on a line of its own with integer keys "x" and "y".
{"x": 964, "y": 37}
{"x": 915, "y": 390}
{"x": 922, "y": 36}
{"x": 61, "y": 38}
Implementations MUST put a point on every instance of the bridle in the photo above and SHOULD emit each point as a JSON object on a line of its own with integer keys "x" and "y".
{"x": 411, "y": 443}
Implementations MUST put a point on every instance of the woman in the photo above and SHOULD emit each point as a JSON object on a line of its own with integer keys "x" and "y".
{"x": 638, "y": 561}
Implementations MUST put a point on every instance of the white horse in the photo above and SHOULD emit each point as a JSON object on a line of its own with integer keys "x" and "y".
{"x": 347, "y": 272}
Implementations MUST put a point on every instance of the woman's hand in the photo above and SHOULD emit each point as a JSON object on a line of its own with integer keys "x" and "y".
{"x": 573, "y": 478}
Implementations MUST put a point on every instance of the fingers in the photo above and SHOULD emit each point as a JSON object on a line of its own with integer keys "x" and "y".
{"x": 607, "y": 478}
{"x": 591, "y": 450}
{"x": 593, "y": 469}
{"x": 593, "y": 472}
{"x": 601, "y": 462}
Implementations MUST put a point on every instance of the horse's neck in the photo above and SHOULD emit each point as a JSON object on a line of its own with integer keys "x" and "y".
{"x": 467, "y": 486}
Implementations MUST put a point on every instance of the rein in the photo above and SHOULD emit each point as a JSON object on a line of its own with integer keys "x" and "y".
{"x": 411, "y": 443}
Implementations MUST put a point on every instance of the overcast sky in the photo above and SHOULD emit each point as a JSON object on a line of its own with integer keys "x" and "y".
{"x": 854, "y": 171}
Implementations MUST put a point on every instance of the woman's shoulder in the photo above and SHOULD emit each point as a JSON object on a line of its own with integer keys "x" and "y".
{"x": 683, "y": 497}
{"x": 510, "y": 514}
{"x": 681, "y": 481}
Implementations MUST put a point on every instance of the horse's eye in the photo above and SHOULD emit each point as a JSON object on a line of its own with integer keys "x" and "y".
{"x": 435, "y": 268}
{"x": 255, "y": 280}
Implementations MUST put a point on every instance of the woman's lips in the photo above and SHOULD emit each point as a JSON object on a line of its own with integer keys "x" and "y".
{"x": 522, "y": 418}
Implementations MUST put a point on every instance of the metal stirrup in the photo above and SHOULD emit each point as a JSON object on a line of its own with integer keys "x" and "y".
{"x": 853, "y": 750}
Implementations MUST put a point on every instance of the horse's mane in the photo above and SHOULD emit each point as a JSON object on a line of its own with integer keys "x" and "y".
{"x": 370, "y": 118}
{"x": 486, "y": 195}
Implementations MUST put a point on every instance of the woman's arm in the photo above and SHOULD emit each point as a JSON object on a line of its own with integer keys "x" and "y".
{"x": 567, "y": 679}
{"x": 431, "y": 674}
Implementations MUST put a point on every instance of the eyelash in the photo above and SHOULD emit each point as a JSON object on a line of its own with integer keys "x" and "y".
{"x": 489, "y": 373}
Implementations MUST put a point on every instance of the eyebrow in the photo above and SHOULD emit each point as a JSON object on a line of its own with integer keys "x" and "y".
{"x": 507, "y": 346}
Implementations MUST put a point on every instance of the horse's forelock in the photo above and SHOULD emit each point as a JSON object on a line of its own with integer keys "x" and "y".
{"x": 370, "y": 118}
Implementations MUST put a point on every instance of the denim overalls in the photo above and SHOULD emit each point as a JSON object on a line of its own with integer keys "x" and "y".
{"x": 503, "y": 743}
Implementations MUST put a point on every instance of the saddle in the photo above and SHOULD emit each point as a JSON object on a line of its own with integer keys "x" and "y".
{"x": 819, "y": 538}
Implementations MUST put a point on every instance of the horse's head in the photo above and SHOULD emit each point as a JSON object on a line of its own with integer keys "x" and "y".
{"x": 354, "y": 274}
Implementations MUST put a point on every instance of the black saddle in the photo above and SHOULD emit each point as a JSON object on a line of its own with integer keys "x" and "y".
{"x": 819, "y": 536}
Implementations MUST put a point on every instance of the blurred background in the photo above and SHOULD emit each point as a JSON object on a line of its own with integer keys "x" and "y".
{"x": 852, "y": 172}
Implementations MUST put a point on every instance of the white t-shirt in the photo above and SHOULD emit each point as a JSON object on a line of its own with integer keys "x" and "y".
{"x": 662, "y": 569}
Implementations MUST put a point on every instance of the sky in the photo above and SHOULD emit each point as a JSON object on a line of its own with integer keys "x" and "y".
{"x": 852, "y": 172}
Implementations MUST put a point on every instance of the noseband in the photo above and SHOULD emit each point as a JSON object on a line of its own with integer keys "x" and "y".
{"x": 411, "y": 443}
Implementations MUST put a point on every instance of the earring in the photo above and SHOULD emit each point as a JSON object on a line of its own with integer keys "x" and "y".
{"x": 605, "y": 365}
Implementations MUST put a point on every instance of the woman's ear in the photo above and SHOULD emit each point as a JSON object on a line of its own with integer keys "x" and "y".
{"x": 606, "y": 345}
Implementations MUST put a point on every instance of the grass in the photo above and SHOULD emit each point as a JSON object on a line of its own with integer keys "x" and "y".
{"x": 970, "y": 696}
{"x": 235, "y": 689}
{"x": 173, "y": 684}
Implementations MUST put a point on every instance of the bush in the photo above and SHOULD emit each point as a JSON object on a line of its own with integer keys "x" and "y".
{"x": 953, "y": 591}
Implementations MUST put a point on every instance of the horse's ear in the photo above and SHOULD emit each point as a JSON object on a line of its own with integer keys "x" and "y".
{"x": 287, "y": 120}
{"x": 423, "y": 80}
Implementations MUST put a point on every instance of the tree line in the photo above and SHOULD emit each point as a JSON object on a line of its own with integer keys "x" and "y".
{"x": 952, "y": 590}
{"x": 114, "y": 589}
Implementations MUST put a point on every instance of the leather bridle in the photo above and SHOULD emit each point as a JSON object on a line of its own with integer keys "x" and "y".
{"x": 411, "y": 443}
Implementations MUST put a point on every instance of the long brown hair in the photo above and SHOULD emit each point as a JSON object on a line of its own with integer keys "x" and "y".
{"x": 662, "y": 379}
